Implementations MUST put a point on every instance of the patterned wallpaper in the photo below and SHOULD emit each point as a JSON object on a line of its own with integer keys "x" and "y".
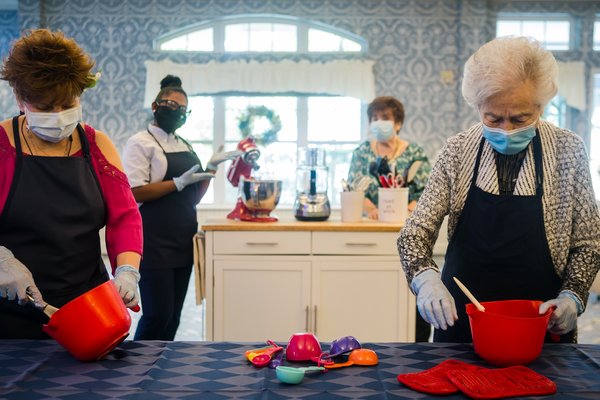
{"x": 413, "y": 43}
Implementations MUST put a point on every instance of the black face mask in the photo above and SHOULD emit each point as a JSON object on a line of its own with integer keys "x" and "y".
{"x": 169, "y": 120}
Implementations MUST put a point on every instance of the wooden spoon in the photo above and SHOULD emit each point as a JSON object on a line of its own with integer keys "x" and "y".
{"x": 46, "y": 309}
{"x": 411, "y": 172}
{"x": 469, "y": 295}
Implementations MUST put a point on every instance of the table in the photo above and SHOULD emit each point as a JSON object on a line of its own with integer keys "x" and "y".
{"x": 148, "y": 370}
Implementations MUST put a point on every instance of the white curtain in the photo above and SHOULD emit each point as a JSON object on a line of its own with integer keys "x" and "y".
{"x": 339, "y": 77}
{"x": 571, "y": 83}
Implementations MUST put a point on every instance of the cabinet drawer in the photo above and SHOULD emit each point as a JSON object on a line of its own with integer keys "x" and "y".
{"x": 271, "y": 242}
{"x": 381, "y": 243}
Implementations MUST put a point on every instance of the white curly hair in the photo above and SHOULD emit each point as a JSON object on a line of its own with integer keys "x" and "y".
{"x": 504, "y": 64}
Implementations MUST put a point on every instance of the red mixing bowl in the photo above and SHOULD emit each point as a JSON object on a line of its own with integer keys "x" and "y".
{"x": 508, "y": 332}
{"x": 92, "y": 324}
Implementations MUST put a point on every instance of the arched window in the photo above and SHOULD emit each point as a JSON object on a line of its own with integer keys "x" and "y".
{"x": 261, "y": 33}
{"x": 333, "y": 122}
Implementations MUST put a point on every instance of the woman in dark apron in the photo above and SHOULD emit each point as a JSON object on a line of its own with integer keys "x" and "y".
{"x": 523, "y": 219}
{"x": 167, "y": 179}
{"x": 54, "y": 207}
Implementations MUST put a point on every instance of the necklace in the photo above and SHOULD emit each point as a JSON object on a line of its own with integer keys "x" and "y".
{"x": 37, "y": 148}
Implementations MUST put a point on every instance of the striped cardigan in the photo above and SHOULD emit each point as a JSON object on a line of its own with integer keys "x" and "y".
{"x": 571, "y": 218}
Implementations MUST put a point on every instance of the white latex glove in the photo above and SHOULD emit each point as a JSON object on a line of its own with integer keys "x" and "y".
{"x": 564, "y": 318}
{"x": 434, "y": 302}
{"x": 126, "y": 281}
{"x": 191, "y": 176}
{"x": 222, "y": 156}
{"x": 16, "y": 280}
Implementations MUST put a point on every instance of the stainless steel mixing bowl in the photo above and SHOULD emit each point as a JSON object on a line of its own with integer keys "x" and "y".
{"x": 260, "y": 196}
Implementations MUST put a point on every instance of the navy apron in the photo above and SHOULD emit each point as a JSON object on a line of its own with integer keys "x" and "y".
{"x": 51, "y": 219}
{"x": 170, "y": 222}
{"x": 499, "y": 251}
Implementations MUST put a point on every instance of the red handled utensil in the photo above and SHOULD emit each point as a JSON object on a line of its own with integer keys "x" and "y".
{"x": 262, "y": 357}
{"x": 383, "y": 181}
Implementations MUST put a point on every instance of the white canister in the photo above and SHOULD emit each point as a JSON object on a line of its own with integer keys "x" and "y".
{"x": 352, "y": 206}
{"x": 393, "y": 204}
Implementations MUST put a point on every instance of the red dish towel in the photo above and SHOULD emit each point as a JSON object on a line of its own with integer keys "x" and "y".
{"x": 435, "y": 380}
{"x": 501, "y": 383}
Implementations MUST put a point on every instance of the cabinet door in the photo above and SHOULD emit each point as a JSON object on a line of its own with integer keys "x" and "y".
{"x": 366, "y": 297}
{"x": 257, "y": 298}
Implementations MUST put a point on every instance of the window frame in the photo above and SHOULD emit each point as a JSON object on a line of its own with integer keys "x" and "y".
{"x": 218, "y": 26}
{"x": 541, "y": 17}
{"x": 596, "y": 27}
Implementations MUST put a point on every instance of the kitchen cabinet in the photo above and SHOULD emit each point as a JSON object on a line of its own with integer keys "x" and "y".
{"x": 270, "y": 280}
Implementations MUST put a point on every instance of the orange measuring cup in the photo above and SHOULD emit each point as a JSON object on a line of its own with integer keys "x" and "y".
{"x": 357, "y": 357}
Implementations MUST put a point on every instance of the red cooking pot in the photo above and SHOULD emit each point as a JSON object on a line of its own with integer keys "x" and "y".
{"x": 92, "y": 324}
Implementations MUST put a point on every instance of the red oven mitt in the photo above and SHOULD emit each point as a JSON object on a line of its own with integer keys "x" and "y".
{"x": 435, "y": 380}
{"x": 502, "y": 382}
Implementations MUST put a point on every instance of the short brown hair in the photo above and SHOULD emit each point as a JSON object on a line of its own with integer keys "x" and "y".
{"x": 45, "y": 67}
{"x": 382, "y": 102}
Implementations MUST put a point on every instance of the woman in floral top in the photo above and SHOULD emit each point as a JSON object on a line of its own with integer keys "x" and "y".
{"x": 386, "y": 116}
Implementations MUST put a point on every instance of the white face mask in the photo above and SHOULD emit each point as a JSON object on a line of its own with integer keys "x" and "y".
{"x": 382, "y": 130}
{"x": 53, "y": 126}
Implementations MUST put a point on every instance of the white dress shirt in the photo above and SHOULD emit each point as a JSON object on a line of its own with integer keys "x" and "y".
{"x": 144, "y": 160}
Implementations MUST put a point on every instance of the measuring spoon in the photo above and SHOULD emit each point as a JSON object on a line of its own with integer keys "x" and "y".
{"x": 293, "y": 375}
{"x": 262, "y": 357}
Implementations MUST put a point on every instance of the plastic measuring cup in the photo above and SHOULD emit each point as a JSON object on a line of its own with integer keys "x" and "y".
{"x": 358, "y": 357}
{"x": 293, "y": 375}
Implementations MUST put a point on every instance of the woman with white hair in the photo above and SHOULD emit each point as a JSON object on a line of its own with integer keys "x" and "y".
{"x": 523, "y": 222}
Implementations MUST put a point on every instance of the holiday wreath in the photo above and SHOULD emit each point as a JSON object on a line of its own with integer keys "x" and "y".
{"x": 246, "y": 124}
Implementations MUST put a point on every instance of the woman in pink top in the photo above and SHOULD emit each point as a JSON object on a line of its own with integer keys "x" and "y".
{"x": 61, "y": 182}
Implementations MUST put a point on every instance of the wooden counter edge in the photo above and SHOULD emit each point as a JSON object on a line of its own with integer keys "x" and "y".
{"x": 333, "y": 225}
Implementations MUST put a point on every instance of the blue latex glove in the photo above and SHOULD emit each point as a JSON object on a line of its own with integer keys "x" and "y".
{"x": 16, "y": 280}
{"x": 564, "y": 318}
{"x": 126, "y": 281}
{"x": 222, "y": 156}
{"x": 434, "y": 302}
{"x": 191, "y": 176}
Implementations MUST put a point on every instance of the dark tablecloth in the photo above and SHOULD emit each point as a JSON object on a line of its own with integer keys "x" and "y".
{"x": 31, "y": 369}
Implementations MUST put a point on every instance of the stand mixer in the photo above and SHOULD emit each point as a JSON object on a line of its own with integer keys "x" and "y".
{"x": 256, "y": 198}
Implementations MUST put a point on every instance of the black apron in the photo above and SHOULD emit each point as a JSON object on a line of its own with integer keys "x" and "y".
{"x": 170, "y": 222}
{"x": 50, "y": 221}
{"x": 499, "y": 251}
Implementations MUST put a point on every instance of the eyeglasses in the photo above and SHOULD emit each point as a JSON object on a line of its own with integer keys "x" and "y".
{"x": 173, "y": 105}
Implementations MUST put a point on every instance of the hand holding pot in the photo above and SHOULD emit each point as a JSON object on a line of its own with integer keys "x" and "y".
{"x": 564, "y": 318}
{"x": 126, "y": 282}
{"x": 435, "y": 303}
{"x": 16, "y": 280}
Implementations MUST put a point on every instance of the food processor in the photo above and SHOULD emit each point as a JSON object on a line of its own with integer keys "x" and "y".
{"x": 312, "y": 203}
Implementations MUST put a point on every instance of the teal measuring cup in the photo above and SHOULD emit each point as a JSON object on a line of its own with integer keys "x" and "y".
{"x": 293, "y": 375}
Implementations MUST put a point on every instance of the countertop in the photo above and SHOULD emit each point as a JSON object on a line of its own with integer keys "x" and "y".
{"x": 289, "y": 223}
{"x": 36, "y": 369}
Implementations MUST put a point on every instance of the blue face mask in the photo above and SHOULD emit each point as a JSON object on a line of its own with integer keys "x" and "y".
{"x": 382, "y": 130}
{"x": 509, "y": 142}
